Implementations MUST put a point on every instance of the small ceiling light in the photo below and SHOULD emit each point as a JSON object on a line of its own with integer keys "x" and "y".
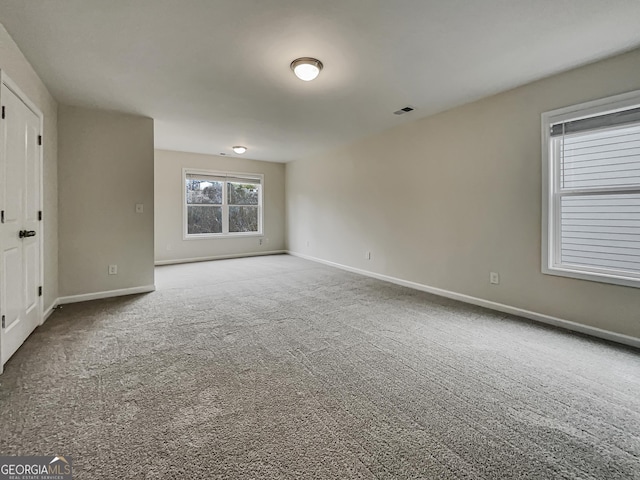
{"x": 239, "y": 149}
{"x": 306, "y": 68}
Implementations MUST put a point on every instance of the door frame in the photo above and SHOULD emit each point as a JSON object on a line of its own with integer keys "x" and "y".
{"x": 11, "y": 85}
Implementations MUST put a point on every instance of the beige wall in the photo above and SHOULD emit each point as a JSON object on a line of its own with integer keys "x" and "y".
{"x": 447, "y": 199}
{"x": 105, "y": 169}
{"x": 169, "y": 243}
{"x": 16, "y": 66}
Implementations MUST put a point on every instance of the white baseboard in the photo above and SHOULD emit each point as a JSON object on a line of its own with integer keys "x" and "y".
{"x": 108, "y": 294}
{"x": 539, "y": 317}
{"x": 218, "y": 257}
{"x": 49, "y": 311}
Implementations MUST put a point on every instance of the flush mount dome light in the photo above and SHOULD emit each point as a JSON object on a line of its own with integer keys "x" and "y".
{"x": 306, "y": 68}
{"x": 239, "y": 149}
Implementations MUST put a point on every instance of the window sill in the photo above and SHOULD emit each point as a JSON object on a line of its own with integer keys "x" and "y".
{"x": 601, "y": 277}
{"x": 214, "y": 236}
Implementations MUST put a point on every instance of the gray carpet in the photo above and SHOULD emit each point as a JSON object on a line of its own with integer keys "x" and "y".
{"x": 276, "y": 367}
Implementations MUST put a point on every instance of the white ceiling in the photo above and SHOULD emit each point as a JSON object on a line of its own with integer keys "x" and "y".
{"x": 215, "y": 73}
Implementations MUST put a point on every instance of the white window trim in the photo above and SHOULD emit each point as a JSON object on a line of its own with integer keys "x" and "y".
{"x": 225, "y": 220}
{"x": 550, "y": 219}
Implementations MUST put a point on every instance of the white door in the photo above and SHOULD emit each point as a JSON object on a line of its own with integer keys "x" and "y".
{"x": 20, "y": 228}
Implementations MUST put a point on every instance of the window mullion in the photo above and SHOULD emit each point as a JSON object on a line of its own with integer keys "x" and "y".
{"x": 225, "y": 208}
{"x": 601, "y": 191}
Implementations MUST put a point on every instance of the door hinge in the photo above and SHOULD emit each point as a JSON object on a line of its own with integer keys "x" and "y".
{"x": 40, "y": 215}
{"x": 39, "y": 291}
{"x": 39, "y": 139}
{"x": 2, "y": 321}
{"x": 2, "y": 216}
{"x": 3, "y": 112}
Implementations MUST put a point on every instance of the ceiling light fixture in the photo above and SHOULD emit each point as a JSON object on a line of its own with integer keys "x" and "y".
{"x": 306, "y": 68}
{"x": 239, "y": 149}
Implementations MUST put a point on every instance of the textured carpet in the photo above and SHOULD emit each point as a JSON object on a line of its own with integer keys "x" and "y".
{"x": 276, "y": 367}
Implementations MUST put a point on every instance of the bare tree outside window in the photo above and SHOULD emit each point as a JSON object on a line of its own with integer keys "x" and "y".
{"x": 243, "y": 218}
{"x": 218, "y": 207}
{"x": 204, "y": 206}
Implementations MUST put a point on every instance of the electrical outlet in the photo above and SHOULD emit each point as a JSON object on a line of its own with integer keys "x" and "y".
{"x": 494, "y": 278}
{"x": 113, "y": 269}
{"x": 367, "y": 255}
{"x": 260, "y": 242}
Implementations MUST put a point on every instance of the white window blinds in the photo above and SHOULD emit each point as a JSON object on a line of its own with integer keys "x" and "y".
{"x": 601, "y": 231}
{"x": 606, "y": 158}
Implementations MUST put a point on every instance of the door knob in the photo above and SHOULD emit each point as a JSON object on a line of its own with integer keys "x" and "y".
{"x": 27, "y": 233}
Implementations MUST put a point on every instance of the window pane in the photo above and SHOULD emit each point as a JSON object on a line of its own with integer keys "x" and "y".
{"x": 200, "y": 191}
{"x": 602, "y": 158}
{"x": 601, "y": 231}
{"x": 243, "y": 219}
{"x": 243, "y": 194}
{"x": 204, "y": 219}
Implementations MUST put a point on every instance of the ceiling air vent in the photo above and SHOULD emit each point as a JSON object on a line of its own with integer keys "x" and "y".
{"x": 404, "y": 110}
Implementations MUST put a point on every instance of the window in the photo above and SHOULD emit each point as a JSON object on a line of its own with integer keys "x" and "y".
{"x": 222, "y": 204}
{"x": 591, "y": 191}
